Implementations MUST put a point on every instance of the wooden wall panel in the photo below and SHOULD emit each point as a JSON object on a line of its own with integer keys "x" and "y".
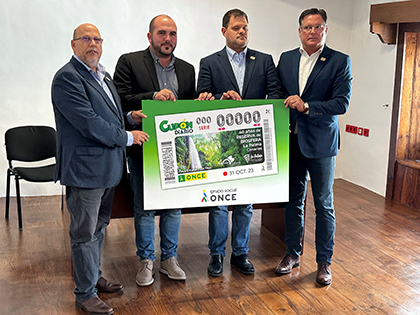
{"x": 403, "y": 29}
{"x": 414, "y": 148}
{"x": 407, "y": 95}
{"x": 407, "y": 183}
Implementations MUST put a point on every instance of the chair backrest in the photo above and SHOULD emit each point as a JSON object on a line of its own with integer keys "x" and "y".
{"x": 30, "y": 143}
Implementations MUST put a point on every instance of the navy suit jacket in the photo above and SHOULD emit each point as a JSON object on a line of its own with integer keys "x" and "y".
{"x": 327, "y": 93}
{"x": 136, "y": 80}
{"x": 91, "y": 138}
{"x": 261, "y": 79}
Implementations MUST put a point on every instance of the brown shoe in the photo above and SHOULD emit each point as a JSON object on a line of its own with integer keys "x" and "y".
{"x": 95, "y": 306}
{"x": 323, "y": 276}
{"x": 105, "y": 286}
{"x": 287, "y": 264}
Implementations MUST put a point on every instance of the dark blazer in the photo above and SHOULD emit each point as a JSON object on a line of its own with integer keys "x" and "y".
{"x": 327, "y": 93}
{"x": 261, "y": 79}
{"x": 136, "y": 80}
{"x": 91, "y": 139}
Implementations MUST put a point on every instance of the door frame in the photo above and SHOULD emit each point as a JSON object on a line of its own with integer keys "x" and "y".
{"x": 396, "y": 104}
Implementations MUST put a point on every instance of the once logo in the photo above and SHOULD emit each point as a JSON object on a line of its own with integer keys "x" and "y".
{"x": 190, "y": 177}
{"x": 223, "y": 197}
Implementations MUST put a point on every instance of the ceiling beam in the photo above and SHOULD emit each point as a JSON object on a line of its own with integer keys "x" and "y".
{"x": 385, "y": 17}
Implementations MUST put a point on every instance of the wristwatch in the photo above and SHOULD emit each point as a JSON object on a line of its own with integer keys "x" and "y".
{"x": 306, "y": 108}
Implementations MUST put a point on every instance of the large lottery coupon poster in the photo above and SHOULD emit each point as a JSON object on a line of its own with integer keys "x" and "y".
{"x": 209, "y": 153}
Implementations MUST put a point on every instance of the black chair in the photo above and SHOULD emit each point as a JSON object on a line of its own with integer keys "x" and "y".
{"x": 29, "y": 144}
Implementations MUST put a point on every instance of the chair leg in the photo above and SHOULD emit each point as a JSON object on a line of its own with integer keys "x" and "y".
{"x": 19, "y": 207}
{"x": 7, "y": 194}
{"x": 62, "y": 198}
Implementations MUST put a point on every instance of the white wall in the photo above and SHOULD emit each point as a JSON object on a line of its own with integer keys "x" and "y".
{"x": 363, "y": 160}
{"x": 36, "y": 43}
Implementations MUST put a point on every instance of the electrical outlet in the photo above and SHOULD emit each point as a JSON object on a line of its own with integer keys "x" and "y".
{"x": 366, "y": 132}
{"x": 351, "y": 129}
{"x": 357, "y": 130}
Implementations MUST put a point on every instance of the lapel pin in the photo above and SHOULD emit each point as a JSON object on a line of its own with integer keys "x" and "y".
{"x": 107, "y": 78}
{"x": 323, "y": 59}
{"x": 252, "y": 58}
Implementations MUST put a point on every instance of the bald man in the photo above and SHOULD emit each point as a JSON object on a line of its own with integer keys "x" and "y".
{"x": 153, "y": 74}
{"x": 91, "y": 142}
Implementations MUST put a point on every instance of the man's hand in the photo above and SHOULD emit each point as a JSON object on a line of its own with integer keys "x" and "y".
{"x": 231, "y": 95}
{"x": 138, "y": 115}
{"x": 139, "y": 137}
{"x": 205, "y": 96}
{"x": 165, "y": 95}
{"x": 295, "y": 102}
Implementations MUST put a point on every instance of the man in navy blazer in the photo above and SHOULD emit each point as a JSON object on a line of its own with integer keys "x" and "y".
{"x": 316, "y": 82}
{"x": 153, "y": 73}
{"x": 91, "y": 143}
{"x": 236, "y": 72}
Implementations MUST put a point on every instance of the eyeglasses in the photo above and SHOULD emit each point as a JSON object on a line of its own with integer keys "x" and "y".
{"x": 87, "y": 40}
{"x": 317, "y": 28}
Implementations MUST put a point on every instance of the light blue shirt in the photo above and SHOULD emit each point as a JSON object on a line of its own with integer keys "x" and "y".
{"x": 99, "y": 76}
{"x": 237, "y": 61}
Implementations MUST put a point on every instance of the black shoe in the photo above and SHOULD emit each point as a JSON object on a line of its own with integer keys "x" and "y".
{"x": 215, "y": 268}
{"x": 242, "y": 263}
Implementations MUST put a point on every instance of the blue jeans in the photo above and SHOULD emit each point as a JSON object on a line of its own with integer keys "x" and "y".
{"x": 90, "y": 212}
{"x": 144, "y": 221}
{"x": 219, "y": 229}
{"x": 321, "y": 172}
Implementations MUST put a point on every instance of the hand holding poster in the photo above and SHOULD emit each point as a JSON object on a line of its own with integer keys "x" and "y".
{"x": 214, "y": 153}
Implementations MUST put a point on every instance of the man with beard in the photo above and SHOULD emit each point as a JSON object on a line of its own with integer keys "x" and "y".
{"x": 91, "y": 143}
{"x": 236, "y": 72}
{"x": 153, "y": 74}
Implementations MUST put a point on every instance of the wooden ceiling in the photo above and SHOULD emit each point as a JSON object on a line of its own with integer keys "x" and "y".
{"x": 385, "y": 17}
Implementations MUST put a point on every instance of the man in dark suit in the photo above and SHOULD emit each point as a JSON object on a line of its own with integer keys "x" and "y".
{"x": 316, "y": 81}
{"x": 236, "y": 72}
{"x": 91, "y": 143}
{"x": 154, "y": 73}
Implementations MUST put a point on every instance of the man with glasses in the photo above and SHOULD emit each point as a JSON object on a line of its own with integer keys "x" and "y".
{"x": 91, "y": 142}
{"x": 316, "y": 82}
{"x": 153, "y": 74}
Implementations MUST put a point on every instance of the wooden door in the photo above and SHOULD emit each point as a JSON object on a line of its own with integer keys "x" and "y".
{"x": 407, "y": 165}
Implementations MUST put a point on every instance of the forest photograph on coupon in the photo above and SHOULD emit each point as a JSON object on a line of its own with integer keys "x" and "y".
{"x": 219, "y": 150}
